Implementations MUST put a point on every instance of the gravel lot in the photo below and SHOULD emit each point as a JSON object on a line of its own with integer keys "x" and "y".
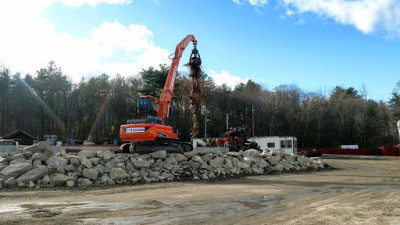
{"x": 358, "y": 191}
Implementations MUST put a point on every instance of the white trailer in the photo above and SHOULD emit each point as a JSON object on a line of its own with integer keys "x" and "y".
{"x": 283, "y": 144}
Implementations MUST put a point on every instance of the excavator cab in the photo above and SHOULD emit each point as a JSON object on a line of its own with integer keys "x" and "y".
{"x": 147, "y": 106}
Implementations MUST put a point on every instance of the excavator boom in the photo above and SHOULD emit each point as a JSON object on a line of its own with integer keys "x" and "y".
{"x": 168, "y": 90}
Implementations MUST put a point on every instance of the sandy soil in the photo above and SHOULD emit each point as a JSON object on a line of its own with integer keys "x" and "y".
{"x": 356, "y": 192}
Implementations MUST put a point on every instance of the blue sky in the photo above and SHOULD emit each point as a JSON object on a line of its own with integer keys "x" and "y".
{"x": 315, "y": 44}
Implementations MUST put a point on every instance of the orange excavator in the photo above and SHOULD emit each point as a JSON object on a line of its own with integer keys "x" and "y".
{"x": 150, "y": 132}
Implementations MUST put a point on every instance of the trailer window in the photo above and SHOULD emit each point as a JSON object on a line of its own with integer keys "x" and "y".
{"x": 286, "y": 143}
{"x": 271, "y": 144}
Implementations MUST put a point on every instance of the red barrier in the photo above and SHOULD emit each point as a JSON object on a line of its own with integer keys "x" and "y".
{"x": 348, "y": 151}
{"x": 389, "y": 150}
{"x": 369, "y": 151}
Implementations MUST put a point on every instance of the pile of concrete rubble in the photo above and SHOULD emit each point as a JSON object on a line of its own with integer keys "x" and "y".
{"x": 37, "y": 166}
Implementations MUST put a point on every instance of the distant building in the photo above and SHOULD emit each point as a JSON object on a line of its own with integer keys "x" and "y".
{"x": 21, "y": 136}
{"x": 50, "y": 138}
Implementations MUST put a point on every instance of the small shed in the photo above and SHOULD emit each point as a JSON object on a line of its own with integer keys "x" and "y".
{"x": 21, "y": 136}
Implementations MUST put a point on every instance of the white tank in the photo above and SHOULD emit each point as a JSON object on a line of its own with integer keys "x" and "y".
{"x": 398, "y": 128}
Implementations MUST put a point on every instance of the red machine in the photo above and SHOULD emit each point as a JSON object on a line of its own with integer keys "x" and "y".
{"x": 150, "y": 132}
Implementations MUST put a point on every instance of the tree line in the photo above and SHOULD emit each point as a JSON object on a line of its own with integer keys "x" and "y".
{"x": 48, "y": 102}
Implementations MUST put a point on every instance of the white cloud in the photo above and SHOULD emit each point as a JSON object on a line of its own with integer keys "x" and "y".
{"x": 224, "y": 77}
{"x": 253, "y": 2}
{"x": 77, "y": 3}
{"x": 366, "y": 15}
{"x": 29, "y": 42}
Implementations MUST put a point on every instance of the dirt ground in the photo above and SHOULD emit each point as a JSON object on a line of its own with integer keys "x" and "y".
{"x": 356, "y": 192}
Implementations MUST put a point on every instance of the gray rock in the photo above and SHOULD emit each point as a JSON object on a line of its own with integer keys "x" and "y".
{"x": 180, "y": 158}
{"x": 129, "y": 168}
{"x": 198, "y": 159}
{"x": 102, "y": 169}
{"x": 144, "y": 156}
{"x": 74, "y": 161}
{"x": 243, "y": 165}
{"x": 94, "y": 160}
{"x": 21, "y": 185}
{"x": 37, "y": 163}
{"x": 257, "y": 170}
{"x": 144, "y": 172}
{"x": 3, "y": 161}
{"x": 120, "y": 165}
{"x": 33, "y": 175}
{"x": 89, "y": 154}
{"x": 235, "y": 154}
{"x": 90, "y": 173}
{"x": 289, "y": 158}
{"x": 276, "y": 152}
{"x": 261, "y": 162}
{"x": 159, "y": 154}
{"x": 108, "y": 155}
{"x": 190, "y": 154}
{"x": 109, "y": 166}
{"x": 279, "y": 167}
{"x": 274, "y": 160}
{"x": 56, "y": 161}
{"x": 57, "y": 178}
{"x": 31, "y": 184}
{"x": 207, "y": 157}
{"x": 118, "y": 174}
{"x": 70, "y": 183}
{"x": 48, "y": 152}
{"x": 15, "y": 170}
{"x": 194, "y": 165}
{"x": 84, "y": 182}
{"x": 141, "y": 163}
{"x": 149, "y": 179}
{"x": 248, "y": 159}
{"x": 85, "y": 161}
{"x": 40, "y": 156}
{"x": 33, "y": 148}
{"x": 44, "y": 147}
{"x": 28, "y": 155}
{"x": 136, "y": 174}
{"x": 10, "y": 182}
{"x": 252, "y": 153}
{"x": 18, "y": 156}
{"x": 46, "y": 179}
{"x": 205, "y": 166}
{"x": 17, "y": 161}
{"x": 107, "y": 181}
{"x": 70, "y": 168}
{"x": 170, "y": 162}
{"x": 61, "y": 170}
{"x": 100, "y": 153}
{"x": 154, "y": 174}
{"x": 217, "y": 162}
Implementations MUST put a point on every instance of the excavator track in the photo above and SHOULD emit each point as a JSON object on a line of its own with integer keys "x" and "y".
{"x": 145, "y": 147}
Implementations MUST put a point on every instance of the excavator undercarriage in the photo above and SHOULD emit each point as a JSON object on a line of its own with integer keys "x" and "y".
{"x": 145, "y": 147}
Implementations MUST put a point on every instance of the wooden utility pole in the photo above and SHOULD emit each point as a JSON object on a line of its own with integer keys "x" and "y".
{"x": 252, "y": 115}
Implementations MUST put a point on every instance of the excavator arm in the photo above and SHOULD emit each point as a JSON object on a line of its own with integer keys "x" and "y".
{"x": 166, "y": 95}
